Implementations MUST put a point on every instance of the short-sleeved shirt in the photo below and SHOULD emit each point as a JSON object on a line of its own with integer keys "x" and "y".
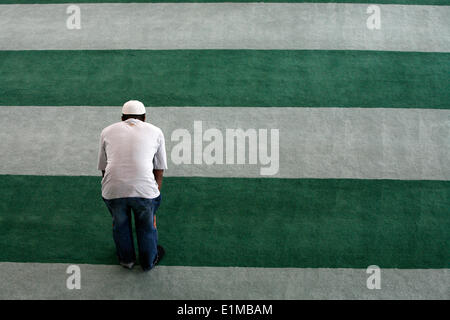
{"x": 129, "y": 151}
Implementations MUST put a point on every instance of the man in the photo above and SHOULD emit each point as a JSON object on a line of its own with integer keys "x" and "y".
{"x": 132, "y": 158}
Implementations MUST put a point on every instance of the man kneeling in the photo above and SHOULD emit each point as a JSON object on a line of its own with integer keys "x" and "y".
{"x": 132, "y": 158}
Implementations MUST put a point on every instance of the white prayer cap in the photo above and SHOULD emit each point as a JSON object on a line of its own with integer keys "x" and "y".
{"x": 133, "y": 107}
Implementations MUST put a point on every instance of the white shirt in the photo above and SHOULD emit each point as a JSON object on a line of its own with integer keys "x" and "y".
{"x": 129, "y": 151}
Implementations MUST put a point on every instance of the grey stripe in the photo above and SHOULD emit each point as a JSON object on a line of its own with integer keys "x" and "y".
{"x": 314, "y": 142}
{"x": 48, "y": 281}
{"x": 322, "y": 26}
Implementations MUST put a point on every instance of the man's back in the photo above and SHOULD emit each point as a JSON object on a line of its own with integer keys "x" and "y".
{"x": 129, "y": 152}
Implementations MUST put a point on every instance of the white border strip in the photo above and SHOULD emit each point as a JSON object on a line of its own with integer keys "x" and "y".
{"x": 49, "y": 281}
{"x": 299, "y": 26}
{"x": 360, "y": 143}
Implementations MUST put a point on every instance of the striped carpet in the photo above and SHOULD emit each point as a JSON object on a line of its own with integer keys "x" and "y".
{"x": 351, "y": 129}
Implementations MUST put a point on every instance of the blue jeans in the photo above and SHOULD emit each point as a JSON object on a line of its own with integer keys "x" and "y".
{"x": 147, "y": 235}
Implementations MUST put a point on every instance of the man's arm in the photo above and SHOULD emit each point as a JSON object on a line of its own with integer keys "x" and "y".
{"x": 160, "y": 161}
{"x": 101, "y": 164}
{"x": 158, "y": 173}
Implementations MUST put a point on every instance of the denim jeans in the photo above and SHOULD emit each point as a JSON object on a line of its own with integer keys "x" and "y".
{"x": 147, "y": 235}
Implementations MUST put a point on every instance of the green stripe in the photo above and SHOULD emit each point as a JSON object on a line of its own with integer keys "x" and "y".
{"x": 238, "y": 222}
{"x": 226, "y": 78}
{"x": 419, "y": 2}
